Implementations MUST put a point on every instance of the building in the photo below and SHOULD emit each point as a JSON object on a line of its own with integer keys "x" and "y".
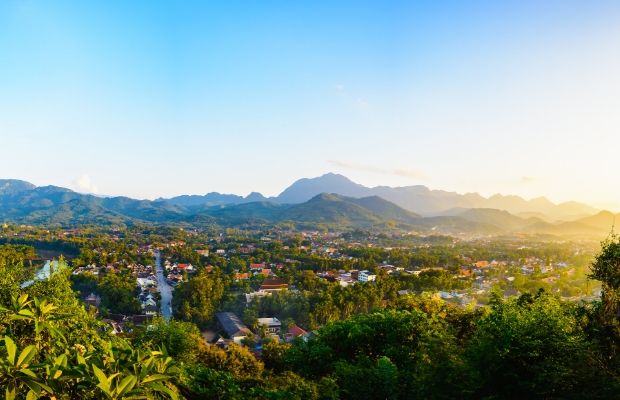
{"x": 150, "y": 310}
{"x": 295, "y": 332}
{"x": 366, "y": 276}
{"x": 273, "y": 285}
{"x": 233, "y": 327}
{"x": 185, "y": 267}
{"x": 272, "y": 325}
{"x": 249, "y": 297}
{"x": 92, "y": 301}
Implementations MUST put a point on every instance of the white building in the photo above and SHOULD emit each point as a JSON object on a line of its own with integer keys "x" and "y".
{"x": 273, "y": 325}
{"x": 366, "y": 276}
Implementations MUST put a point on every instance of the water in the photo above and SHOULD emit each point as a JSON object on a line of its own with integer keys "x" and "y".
{"x": 42, "y": 274}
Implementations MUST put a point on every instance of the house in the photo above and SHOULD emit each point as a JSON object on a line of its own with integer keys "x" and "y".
{"x": 273, "y": 285}
{"x": 265, "y": 272}
{"x": 146, "y": 282}
{"x": 150, "y": 310}
{"x": 272, "y": 325}
{"x": 139, "y": 320}
{"x": 465, "y": 272}
{"x": 185, "y": 267}
{"x": 233, "y": 327}
{"x": 345, "y": 279}
{"x": 366, "y": 276}
{"x": 204, "y": 253}
{"x": 241, "y": 276}
{"x": 249, "y": 297}
{"x": 295, "y": 332}
{"x": 481, "y": 264}
{"x": 92, "y": 301}
{"x": 147, "y": 300}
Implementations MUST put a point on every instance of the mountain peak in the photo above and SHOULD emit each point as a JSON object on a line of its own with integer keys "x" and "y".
{"x": 12, "y": 186}
{"x": 304, "y": 189}
{"x": 254, "y": 196}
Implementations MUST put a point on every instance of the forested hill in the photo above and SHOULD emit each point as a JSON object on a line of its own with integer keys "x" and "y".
{"x": 21, "y": 202}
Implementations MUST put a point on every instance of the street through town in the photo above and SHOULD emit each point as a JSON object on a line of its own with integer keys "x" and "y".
{"x": 165, "y": 290}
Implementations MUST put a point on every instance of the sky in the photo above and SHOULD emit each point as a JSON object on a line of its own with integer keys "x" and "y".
{"x": 160, "y": 98}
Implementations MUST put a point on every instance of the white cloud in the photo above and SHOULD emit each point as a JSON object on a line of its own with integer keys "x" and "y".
{"x": 405, "y": 172}
{"x": 85, "y": 184}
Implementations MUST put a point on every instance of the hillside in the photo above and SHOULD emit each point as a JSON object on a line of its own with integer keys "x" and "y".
{"x": 22, "y": 202}
{"x": 427, "y": 202}
{"x": 331, "y": 209}
{"x": 12, "y": 186}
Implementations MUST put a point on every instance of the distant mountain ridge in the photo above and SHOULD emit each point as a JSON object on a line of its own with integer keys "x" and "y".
{"x": 418, "y": 199}
{"x": 425, "y": 201}
{"x": 22, "y": 202}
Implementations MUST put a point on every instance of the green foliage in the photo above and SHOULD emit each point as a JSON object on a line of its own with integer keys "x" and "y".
{"x": 274, "y": 354}
{"x": 181, "y": 339}
{"x": 51, "y": 364}
{"x": 410, "y": 348}
{"x": 196, "y": 300}
{"x": 118, "y": 293}
{"x": 531, "y": 347}
{"x": 237, "y": 360}
{"x": 606, "y": 267}
{"x": 50, "y": 347}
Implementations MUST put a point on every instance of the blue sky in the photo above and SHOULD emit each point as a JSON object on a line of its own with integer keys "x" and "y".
{"x": 157, "y": 98}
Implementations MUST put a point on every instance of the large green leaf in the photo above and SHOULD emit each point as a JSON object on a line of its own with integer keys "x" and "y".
{"x": 26, "y": 356}
{"x": 126, "y": 385}
{"x": 155, "y": 378}
{"x": 11, "y": 349}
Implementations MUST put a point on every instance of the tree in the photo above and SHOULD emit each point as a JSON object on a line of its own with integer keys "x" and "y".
{"x": 273, "y": 355}
{"x": 532, "y": 347}
{"x": 606, "y": 268}
{"x": 197, "y": 299}
{"x": 118, "y": 294}
{"x": 182, "y": 340}
{"x": 605, "y": 319}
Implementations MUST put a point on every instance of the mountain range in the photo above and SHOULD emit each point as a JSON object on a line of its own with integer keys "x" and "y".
{"x": 331, "y": 201}
{"x": 418, "y": 199}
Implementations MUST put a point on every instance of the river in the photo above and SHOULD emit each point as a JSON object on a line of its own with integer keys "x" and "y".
{"x": 44, "y": 273}
{"x": 165, "y": 290}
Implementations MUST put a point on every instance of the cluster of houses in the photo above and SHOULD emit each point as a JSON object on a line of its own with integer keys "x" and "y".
{"x": 149, "y": 290}
{"x": 176, "y": 271}
{"x": 146, "y": 281}
{"x": 346, "y": 278}
{"x": 235, "y": 331}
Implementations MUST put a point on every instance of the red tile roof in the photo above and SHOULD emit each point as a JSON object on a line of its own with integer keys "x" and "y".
{"x": 296, "y": 331}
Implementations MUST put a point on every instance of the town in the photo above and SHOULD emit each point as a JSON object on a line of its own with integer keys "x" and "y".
{"x": 282, "y": 285}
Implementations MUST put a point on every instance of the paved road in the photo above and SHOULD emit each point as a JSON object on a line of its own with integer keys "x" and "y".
{"x": 165, "y": 290}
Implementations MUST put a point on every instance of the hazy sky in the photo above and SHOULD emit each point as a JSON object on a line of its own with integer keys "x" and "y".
{"x": 157, "y": 98}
